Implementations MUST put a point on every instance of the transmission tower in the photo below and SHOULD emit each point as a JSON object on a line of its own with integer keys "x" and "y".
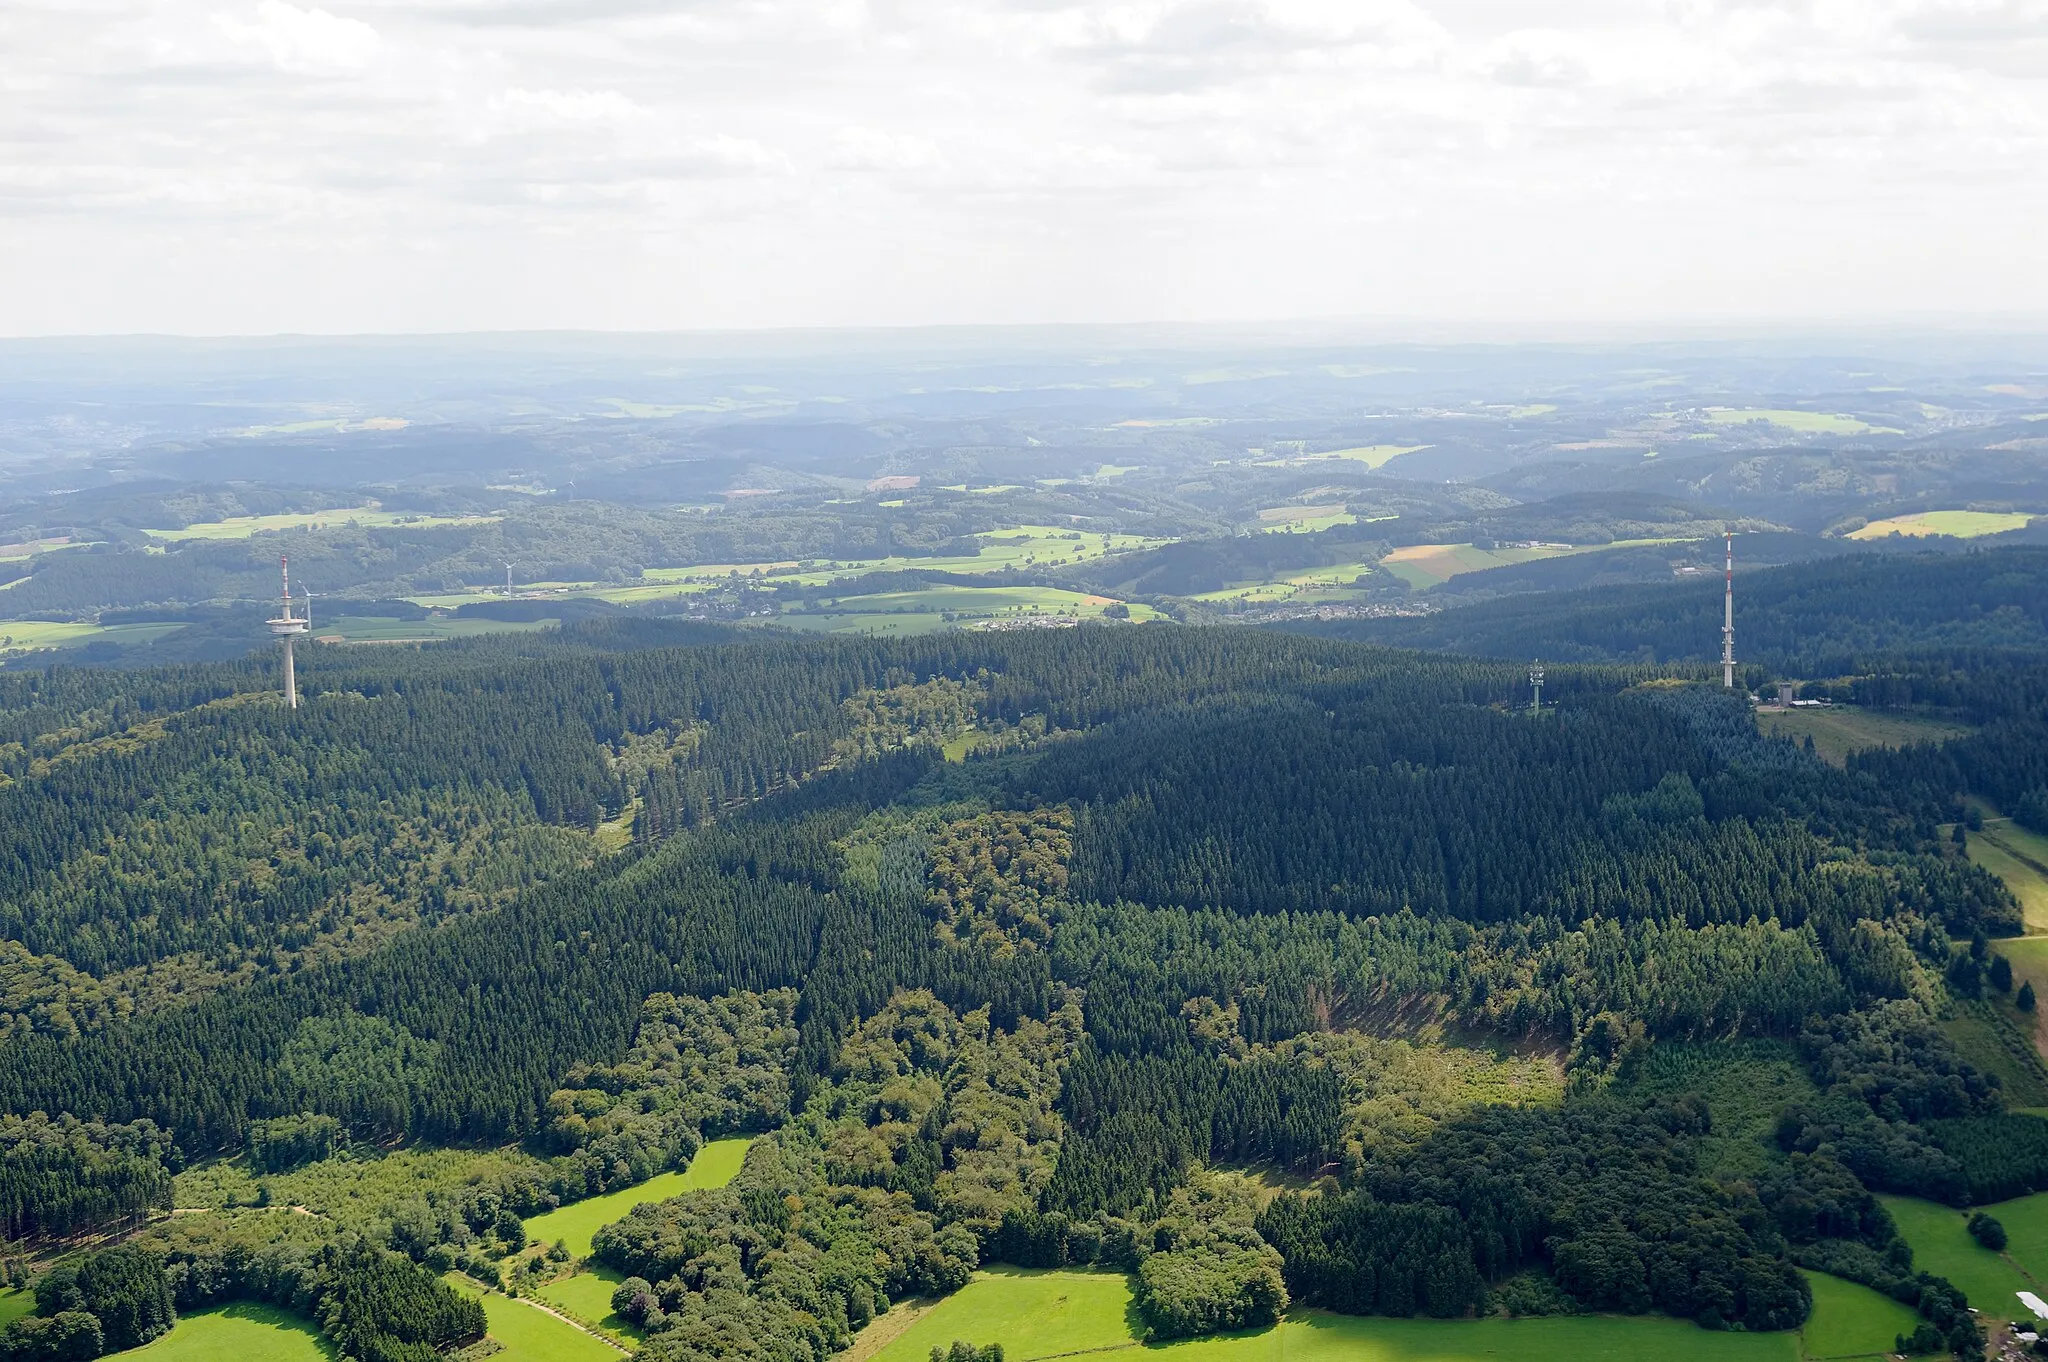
{"x": 288, "y": 627}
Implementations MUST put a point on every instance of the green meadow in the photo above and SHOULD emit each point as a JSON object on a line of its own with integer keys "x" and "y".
{"x": 1839, "y": 730}
{"x": 525, "y": 1332}
{"x": 1942, "y": 1245}
{"x": 1043, "y": 1314}
{"x": 18, "y": 636}
{"x": 1960, "y": 524}
{"x": 245, "y": 1332}
{"x": 367, "y": 517}
{"x": 714, "y": 1166}
{"x": 587, "y": 1298}
{"x": 1850, "y": 1320}
{"x": 1805, "y": 422}
{"x": 14, "y": 1304}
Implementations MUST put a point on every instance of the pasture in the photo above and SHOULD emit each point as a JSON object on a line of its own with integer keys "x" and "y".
{"x": 2020, "y": 858}
{"x": 1805, "y": 422}
{"x": 1942, "y": 1245}
{"x": 1960, "y": 524}
{"x": 714, "y": 1166}
{"x": 246, "y": 1331}
{"x": 14, "y": 1304}
{"x": 527, "y": 1333}
{"x": 1850, "y": 1320}
{"x": 1042, "y": 1314}
{"x": 1303, "y": 519}
{"x": 1427, "y": 565}
{"x": 1838, "y": 730}
{"x": 27, "y": 636}
{"x": 365, "y": 517}
{"x": 1372, "y": 456}
{"x": 587, "y": 1299}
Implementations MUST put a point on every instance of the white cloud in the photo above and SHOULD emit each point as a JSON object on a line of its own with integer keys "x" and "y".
{"x": 302, "y": 40}
{"x": 743, "y": 162}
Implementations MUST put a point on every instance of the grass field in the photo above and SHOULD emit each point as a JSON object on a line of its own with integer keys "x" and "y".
{"x": 2020, "y": 858}
{"x": 1961, "y": 524}
{"x": 714, "y": 1166}
{"x": 1942, "y": 1245}
{"x": 528, "y": 1333}
{"x": 243, "y": 526}
{"x": 1427, "y": 565}
{"x": 1839, "y": 730}
{"x": 587, "y": 1297}
{"x": 245, "y": 1332}
{"x": 1849, "y": 1320}
{"x": 19, "y": 636}
{"x": 1040, "y": 1314}
{"x": 1805, "y": 422}
{"x": 923, "y": 611}
{"x": 14, "y": 1304}
{"x": 1998, "y": 1038}
{"x": 1019, "y": 546}
{"x": 1304, "y": 519}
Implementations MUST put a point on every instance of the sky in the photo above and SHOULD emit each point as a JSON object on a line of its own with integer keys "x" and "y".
{"x": 1504, "y": 167}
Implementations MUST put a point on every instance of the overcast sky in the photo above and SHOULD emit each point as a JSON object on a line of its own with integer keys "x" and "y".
{"x": 239, "y": 166}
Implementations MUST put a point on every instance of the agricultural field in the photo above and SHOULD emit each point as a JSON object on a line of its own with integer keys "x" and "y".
{"x": 1041, "y": 1314}
{"x": 1805, "y": 422}
{"x": 1838, "y": 730}
{"x": 527, "y": 1333}
{"x": 1427, "y": 565}
{"x": 923, "y": 611}
{"x": 1021, "y": 546}
{"x": 1942, "y": 1245}
{"x": 1851, "y": 1320}
{"x": 27, "y": 636}
{"x": 2020, "y": 858}
{"x": 1372, "y": 456}
{"x": 366, "y": 517}
{"x": 245, "y": 1332}
{"x": 1960, "y": 524}
{"x": 1323, "y": 583}
{"x": 29, "y": 548}
{"x": 714, "y": 1166}
{"x": 1303, "y": 519}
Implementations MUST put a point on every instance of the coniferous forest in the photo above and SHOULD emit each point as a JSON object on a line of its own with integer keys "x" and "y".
{"x": 1001, "y": 948}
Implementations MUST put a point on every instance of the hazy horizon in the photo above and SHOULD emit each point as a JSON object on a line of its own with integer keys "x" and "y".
{"x": 253, "y": 167}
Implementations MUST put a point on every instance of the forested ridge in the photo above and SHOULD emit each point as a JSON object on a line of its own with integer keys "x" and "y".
{"x": 1028, "y": 1006}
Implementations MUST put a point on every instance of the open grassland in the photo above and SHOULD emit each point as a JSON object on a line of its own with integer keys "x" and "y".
{"x": 922, "y": 611}
{"x": 1805, "y": 422}
{"x": 2029, "y": 958}
{"x": 1850, "y": 1320}
{"x": 527, "y": 1333}
{"x": 1042, "y": 1314}
{"x": 1838, "y": 730}
{"x": 29, "y": 548}
{"x": 714, "y": 1166}
{"x": 1427, "y": 565}
{"x": 243, "y": 1332}
{"x": 1960, "y": 524}
{"x": 1942, "y": 1245}
{"x": 1315, "y": 584}
{"x": 587, "y": 1299}
{"x": 2020, "y": 858}
{"x": 23, "y": 636}
{"x": 1372, "y": 456}
{"x": 14, "y": 1304}
{"x": 1303, "y": 519}
{"x": 365, "y": 517}
{"x": 1032, "y": 1312}
{"x": 1998, "y": 1038}
{"x": 1020, "y": 546}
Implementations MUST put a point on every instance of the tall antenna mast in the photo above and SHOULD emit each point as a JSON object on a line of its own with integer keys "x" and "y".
{"x": 1536, "y": 686}
{"x": 288, "y": 627}
{"x": 508, "y": 579}
{"x": 1728, "y": 622}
